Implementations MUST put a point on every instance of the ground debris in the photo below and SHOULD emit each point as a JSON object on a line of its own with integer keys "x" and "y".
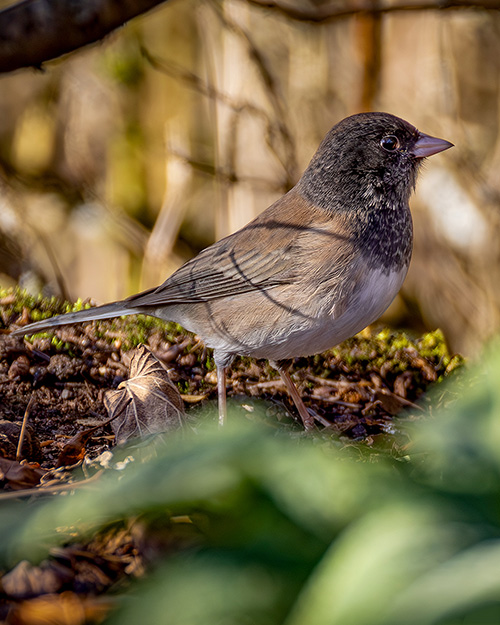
{"x": 71, "y": 577}
{"x": 16, "y": 475}
{"x": 147, "y": 403}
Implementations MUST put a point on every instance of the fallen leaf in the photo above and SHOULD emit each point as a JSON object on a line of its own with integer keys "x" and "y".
{"x": 64, "y": 609}
{"x": 193, "y": 399}
{"x": 19, "y": 368}
{"x": 390, "y": 402}
{"x": 74, "y": 450}
{"x": 402, "y": 383}
{"x": 26, "y": 580}
{"x": 17, "y": 475}
{"x": 146, "y": 403}
{"x": 418, "y": 361}
{"x": 9, "y": 440}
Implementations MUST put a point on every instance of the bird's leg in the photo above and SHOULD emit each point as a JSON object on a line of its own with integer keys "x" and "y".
{"x": 282, "y": 366}
{"x": 221, "y": 393}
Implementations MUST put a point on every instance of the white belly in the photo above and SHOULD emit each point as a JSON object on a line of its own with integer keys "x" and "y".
{"x": 317, "y": 335}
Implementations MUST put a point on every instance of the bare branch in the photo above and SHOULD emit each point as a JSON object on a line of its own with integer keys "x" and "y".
{"x": 35, "y": 31}
{"x": 198, "y": 84}
{"x": 289, "y": 162}
{"x": 229, "y": 177}
{"x": 273, "y": 127}
{"x": 338, "y": 10}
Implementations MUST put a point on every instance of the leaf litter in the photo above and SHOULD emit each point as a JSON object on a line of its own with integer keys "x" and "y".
{"x": 146, "y": 403}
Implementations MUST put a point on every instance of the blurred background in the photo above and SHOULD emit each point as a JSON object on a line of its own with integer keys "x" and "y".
{"x": 122, "y": 160}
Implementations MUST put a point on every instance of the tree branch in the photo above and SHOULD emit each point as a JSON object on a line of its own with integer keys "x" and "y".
{"x": 35, "y": 31}
{"x": 338, "y": 10}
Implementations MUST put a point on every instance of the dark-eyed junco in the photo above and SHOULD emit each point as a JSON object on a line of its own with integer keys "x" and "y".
{"x": 320, "y": 264}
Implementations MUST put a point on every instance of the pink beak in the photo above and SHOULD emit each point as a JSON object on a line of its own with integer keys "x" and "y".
{"x": 427, "y": 145}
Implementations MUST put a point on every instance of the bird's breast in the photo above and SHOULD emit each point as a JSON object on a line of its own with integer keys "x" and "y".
{"x": 342, "y": 319}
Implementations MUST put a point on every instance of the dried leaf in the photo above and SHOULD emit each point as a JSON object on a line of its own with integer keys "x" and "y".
{"x": 19, "y": 368}
{"x": 26, "y": 580}
{"x": 418, "y": 361}
{"x": 193, "y": 399}
{"x": 9, "y": 440}
{"x": 74, "y": 450}
{"x": 64, "y": 609}
{"x": 147, "y": 402}
{"x": 18, "y": 475}
{"x": 402, "y": 383}
{"x": 390, "y": 402}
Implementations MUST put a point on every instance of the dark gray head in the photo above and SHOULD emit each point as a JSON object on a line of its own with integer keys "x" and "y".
{"x": 365, "y": 158}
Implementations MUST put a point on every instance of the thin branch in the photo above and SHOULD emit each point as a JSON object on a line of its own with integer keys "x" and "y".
{"x": 23, "y": 427}
{"x": 228, "y": 177}
{"x": 51, "y": 255}
{"x": 51, "y": 490}
{"x": 289, "y": 162}
{"x": 35, "y": 31}
{"x": 273, "y": 127}
{"x": 338, "y": 10}
{"x": 195, "y": 82}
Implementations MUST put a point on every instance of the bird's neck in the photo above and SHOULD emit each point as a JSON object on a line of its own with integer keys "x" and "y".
{"x": 377, "y": 215}
{"x": 385, "y": 234}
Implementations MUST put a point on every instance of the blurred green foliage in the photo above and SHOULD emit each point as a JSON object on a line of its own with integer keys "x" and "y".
{"x": 295, "y": 529}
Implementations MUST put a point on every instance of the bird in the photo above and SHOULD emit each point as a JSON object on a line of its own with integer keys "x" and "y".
{"x": 316, "y": 267}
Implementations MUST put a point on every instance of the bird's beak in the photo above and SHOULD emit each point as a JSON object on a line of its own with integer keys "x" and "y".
{"x": 427, "y": 145}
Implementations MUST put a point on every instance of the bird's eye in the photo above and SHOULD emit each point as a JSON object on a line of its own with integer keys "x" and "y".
{"x": 390, "y": 143}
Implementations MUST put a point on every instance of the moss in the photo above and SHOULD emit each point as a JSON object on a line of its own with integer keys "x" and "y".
{"x": 433, "y": 345}
{"x": 15, "y": 300}
{"x": 134, "y": 329}
{"x": 56, "y": 343}
{"x": 392, "y": 351}
{"x": 184, "y": 388}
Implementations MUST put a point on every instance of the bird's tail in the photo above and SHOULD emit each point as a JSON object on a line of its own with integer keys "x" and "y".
{"x": 115, "y": 309}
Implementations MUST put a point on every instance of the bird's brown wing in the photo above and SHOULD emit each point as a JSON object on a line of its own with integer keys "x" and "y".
{"x": 227, "y": 268}
{"x": 268, "y": 252}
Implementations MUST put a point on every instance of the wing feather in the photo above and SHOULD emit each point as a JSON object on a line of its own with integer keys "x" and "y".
{"x": 274, "y": 249}
{"x": 217, "y": 273}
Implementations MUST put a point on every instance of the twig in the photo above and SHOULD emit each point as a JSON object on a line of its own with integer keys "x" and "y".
{"x": 289, "y": 162}
{"x": 50, "y": 490}
{"x": 335, "y": 12}
{"x": 65, "y": 295}
{"x": 226, "y": 176}
{"x": 192, "y": 80}
{"x": 273, "y": 127}
{"x": 23, "y": 427}
{"x": 335, "y": 400}
{"x": 268, "y": 384}
{"x": 337, "y": 383}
